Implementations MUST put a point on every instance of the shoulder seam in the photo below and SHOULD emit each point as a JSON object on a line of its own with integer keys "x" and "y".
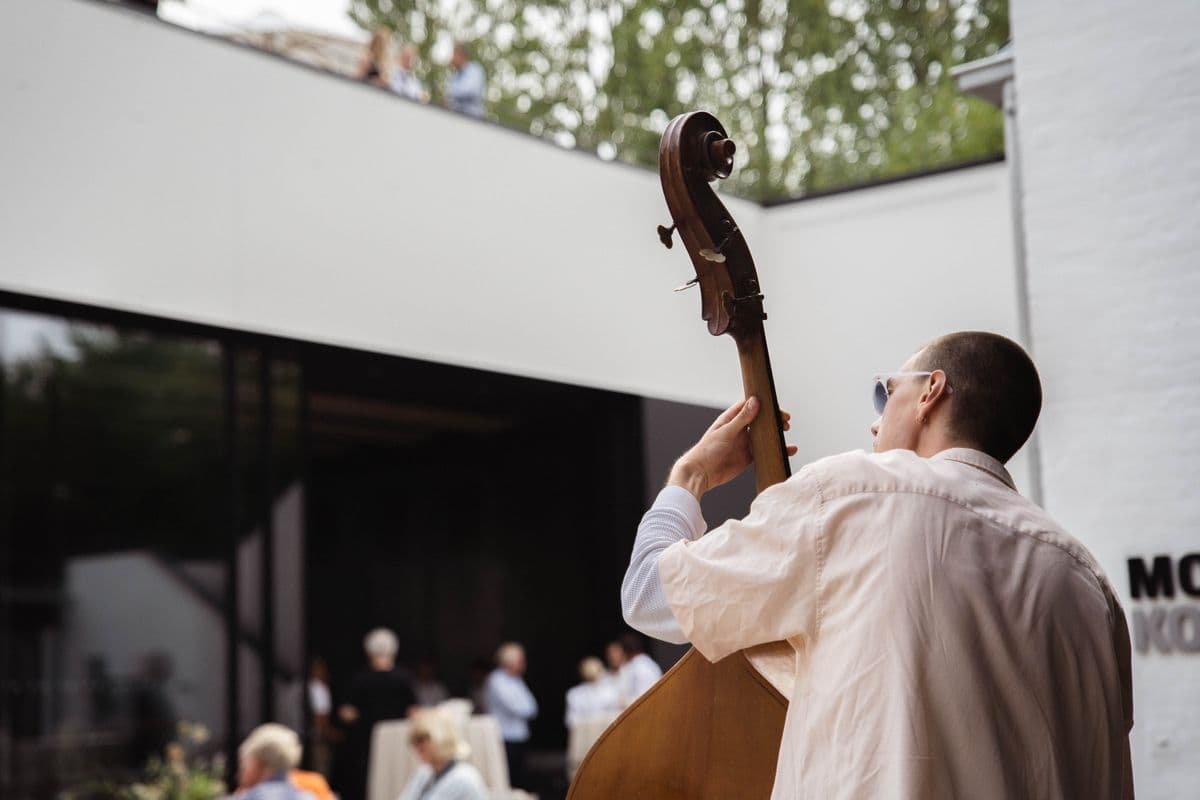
{"x": 1100, "y": 579}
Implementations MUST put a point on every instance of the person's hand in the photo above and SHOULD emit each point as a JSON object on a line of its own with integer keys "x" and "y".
{"x": 723, "y": 452}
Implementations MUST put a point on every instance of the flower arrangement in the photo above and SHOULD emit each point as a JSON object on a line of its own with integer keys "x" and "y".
{"x": 174, "y": 776}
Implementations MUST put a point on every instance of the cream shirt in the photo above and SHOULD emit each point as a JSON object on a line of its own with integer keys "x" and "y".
{"x": 952, "y": 641}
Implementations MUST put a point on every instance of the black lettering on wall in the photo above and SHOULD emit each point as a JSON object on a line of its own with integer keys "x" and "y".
{"x": 1189, "y": 574}
{"x": 1154, "y": 581}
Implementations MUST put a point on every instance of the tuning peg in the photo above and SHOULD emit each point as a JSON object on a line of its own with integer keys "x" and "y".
{"x": 718, "y": 256}
{"x": 664, "y": 235}
{"x": 688, "y": 285}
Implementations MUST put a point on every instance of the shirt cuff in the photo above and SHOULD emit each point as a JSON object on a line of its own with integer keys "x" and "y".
{"x": 684, "y": 503}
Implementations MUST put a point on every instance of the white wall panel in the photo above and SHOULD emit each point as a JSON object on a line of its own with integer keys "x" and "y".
{"x": 154, "y": 170}
{"x": 1109, "y": 112}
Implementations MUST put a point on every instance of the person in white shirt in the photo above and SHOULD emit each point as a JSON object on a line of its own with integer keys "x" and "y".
{"x": 443, "y": 774}
{"x": 404, "y": 81}
{"x": 638, "y": 672}
{"x": 954, "y": 640}
{"x": 513, "y": 705}
{"x": 595, "y": 697}
{"x": 320, "y": 706}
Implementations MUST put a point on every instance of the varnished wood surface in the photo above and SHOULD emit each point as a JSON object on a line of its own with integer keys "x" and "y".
{"x": 704, "y": 732}
{"x": 766, "y": 432}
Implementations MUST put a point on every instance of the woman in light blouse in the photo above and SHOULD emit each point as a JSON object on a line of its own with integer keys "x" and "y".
{"x": 442, "y": 775}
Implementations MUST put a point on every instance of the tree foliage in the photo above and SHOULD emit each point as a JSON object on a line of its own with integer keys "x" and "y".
{"x": 818, "y": 93}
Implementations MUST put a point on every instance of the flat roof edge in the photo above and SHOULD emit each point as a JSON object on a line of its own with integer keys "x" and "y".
{"x": 873, "y": 184}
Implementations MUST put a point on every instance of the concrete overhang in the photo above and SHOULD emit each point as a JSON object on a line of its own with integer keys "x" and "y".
{"x": 985, "y": 77}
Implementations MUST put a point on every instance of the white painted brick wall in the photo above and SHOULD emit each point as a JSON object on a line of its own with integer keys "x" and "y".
{"x": 1108, "y": 104}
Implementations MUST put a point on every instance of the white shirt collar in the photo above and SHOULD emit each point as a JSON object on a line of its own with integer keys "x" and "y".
{"x": 979, "y": 460}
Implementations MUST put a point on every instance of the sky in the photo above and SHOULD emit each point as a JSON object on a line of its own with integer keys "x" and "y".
{"x": 226, "y": 16}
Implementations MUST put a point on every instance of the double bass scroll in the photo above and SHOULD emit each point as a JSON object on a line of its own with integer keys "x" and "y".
{"x": 707, "y": 731}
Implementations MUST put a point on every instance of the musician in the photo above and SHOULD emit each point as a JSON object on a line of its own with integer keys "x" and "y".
{"x": 952, "y": 640}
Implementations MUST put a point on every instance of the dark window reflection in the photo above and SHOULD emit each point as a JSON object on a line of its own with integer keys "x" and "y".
{"x": 113, "y": 566}
{"x": 170, "y": 555}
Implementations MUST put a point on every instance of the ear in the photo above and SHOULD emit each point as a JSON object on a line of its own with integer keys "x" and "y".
{"x": 936, "y": 389}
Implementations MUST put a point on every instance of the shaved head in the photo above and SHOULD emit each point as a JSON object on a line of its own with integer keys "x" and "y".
{"x": 997, "y": 394}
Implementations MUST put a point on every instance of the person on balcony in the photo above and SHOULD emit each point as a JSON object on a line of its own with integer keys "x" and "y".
{"x": 404, "y": 81}
{"x": 464, "y": 92}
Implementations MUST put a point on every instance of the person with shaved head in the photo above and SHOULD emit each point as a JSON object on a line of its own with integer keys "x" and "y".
{"x": 952, "y": 639}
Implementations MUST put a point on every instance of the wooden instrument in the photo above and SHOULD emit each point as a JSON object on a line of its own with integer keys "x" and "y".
{"x": 707, "y": 731}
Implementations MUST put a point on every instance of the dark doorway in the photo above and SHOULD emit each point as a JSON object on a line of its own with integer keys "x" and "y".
{"x": 463, "y": 509}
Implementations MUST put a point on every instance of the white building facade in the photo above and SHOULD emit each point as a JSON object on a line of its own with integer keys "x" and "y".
{"x": 155, "y": 171}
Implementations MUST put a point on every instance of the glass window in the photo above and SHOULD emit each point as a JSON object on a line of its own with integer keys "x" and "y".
{"x": 113, "y": 558}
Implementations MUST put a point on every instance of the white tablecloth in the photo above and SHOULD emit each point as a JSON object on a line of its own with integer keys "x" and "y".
{"x": 582, "y": 735}
{"x": 393, "y": 761}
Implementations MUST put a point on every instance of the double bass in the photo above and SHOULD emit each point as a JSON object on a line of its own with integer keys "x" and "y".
{"x": 707, "y": 731}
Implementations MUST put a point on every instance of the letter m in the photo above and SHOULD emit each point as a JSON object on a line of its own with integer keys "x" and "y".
{"x": 1153, "y": 581}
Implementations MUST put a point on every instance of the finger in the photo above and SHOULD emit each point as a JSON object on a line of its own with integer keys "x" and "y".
{"x": 727, "y": 415}
{"x": 746, "y": 414}
{"x": 792, "y": 449}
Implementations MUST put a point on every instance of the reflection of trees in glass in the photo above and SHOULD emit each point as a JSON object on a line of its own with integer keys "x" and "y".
{"x": 819, "y": 93}
{"x": 118, "y": 441}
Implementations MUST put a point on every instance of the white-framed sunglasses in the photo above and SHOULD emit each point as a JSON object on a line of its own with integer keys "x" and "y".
{"x": 881, "y": 389}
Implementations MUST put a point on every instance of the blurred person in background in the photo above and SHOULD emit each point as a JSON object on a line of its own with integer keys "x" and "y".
{"x": 443, "y": 774}
{"x": 595, "y": 697}
{"x": 381, "y": 692}
{"x": 464, "y": 92}
{"x": 428, "y": 689}
{"x": 404, "y": 81}
{"x": 614, "y": 659}
{"x": 154, "y": 718}
{"x": 373, "y": 68}
{"x": 265, "y": 760}
{"x": 322, "y": 734}
{"x": 513, "y": 705}
{"x": 638, "y": 673}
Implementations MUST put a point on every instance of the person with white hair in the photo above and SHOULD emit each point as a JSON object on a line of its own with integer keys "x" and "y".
{"x": 513, "y": 705}
{"x": 269, "y": 753}
{"x": 443, "y": 775}
{"x": 595, "y": 697}
{"x": 382, "y": 692}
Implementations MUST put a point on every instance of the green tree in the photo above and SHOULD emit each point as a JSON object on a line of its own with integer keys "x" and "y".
{"x": 818, "y": 93}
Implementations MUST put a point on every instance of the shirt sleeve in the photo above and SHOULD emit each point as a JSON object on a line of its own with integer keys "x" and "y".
{"x": 754, "y": 580}
{"x": 674, "y": 517}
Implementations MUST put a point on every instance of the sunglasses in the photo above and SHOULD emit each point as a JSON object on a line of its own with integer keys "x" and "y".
{"x": 881, "y": 389}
